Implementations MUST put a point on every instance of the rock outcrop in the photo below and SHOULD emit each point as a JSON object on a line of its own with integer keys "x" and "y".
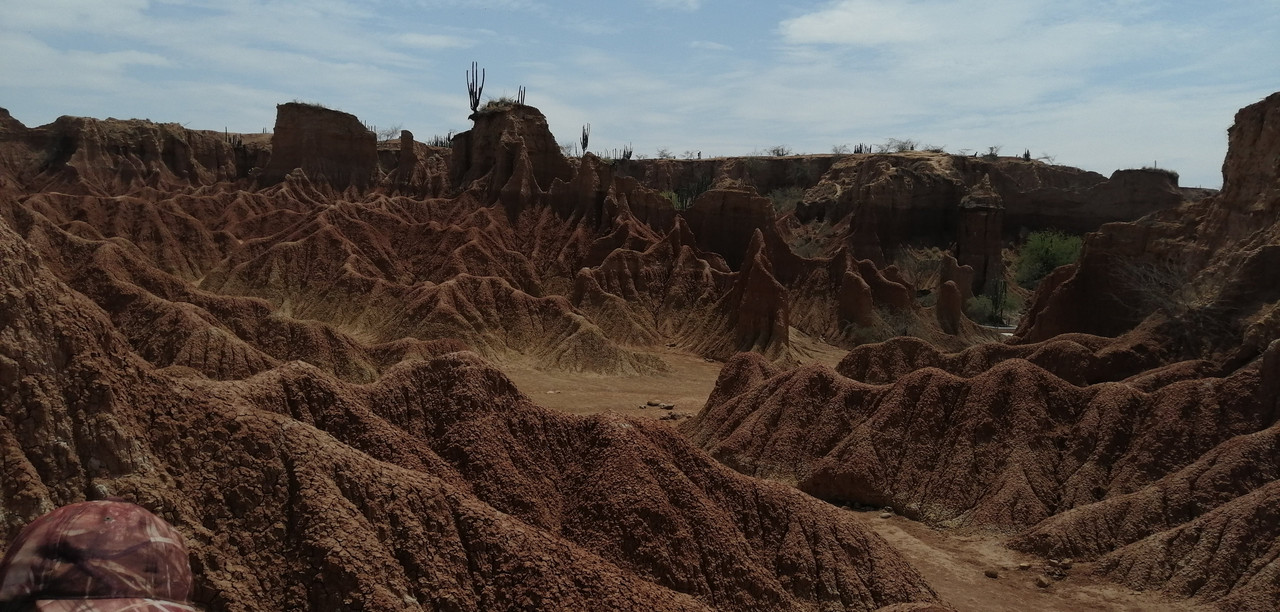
{"x": 979, "y": 242}
{"x": 1200, "y": 266}
{"x": 1131, "y": 452}
{"x": 331, "y": 146}
{"x": 92, "y": 156}
{"x": 504, "y": 146}
{"x": 690, "y": 177}
{"x": 917, "y": 196}
{"x": 437, "y": 487}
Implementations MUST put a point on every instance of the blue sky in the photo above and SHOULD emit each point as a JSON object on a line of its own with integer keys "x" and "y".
{"x": 1099, "y": 84}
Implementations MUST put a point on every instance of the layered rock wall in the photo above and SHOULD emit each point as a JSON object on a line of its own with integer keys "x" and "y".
{"x": 331, "y": 146}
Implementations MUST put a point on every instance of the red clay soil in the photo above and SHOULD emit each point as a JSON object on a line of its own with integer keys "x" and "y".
{"x": 289, "y": 350}
{"x": 530, "y": 256}
{"x": 1152, "y": 455}
{"x": 438, "y": 487}
{"x": 1173, "y": 488}
{"x": 296, "y": 373}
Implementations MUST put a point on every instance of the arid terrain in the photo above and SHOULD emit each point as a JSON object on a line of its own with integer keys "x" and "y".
{"x": 364, "y": 375}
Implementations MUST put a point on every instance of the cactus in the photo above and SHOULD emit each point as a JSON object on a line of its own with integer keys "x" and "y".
{"x": 520, "y": 96}
{"x": 586, "y": 134}
{"x": 475, "y": 86}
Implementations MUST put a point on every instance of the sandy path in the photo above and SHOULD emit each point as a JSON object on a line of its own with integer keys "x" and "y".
{"x": 954, "y": 563}
{"x": 686, "y": 386}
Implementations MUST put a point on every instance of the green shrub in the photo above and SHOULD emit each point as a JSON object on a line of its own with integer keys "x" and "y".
{"x": 679, "y": 200}
{"x": 1043, "y": 252}
{"x": 979, "y": 308}
{"x": 1013, "y": 306}
{"x": 785, "y": 199}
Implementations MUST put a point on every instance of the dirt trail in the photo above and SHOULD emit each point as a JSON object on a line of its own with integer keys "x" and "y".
{"x": 954, "y": 565}
{"x": 952, "y": 562}
{"x": 686, "y": 385}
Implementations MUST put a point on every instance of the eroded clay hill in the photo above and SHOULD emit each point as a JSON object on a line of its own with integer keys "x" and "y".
{"x": 285, "y": 345}
{"x": 438, "y": 487}
{"x": 871, "y": 204}
{"x": 209, "y": 252}
{"x": 201, "y": 353}
{"x": 1152, "y": 453}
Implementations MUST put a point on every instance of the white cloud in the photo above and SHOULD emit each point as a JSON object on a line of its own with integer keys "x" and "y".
{"x": 709, "y": 45}
{"x": 434, "y": 41}
{"x": 683, "y": 5}
{"x": 1099, "y": 83}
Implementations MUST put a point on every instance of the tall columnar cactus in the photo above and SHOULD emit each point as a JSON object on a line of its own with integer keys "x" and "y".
{"x": 586, "y": 134}
{"x": 520, "y": 96}
{"x": 475, "y": 86}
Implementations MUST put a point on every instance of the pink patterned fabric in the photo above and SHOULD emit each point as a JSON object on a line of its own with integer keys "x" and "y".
{"x": 99, "y": 556}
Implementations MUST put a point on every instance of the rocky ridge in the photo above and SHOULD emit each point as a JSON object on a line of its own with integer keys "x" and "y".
{"x": 1141, "y": 442}
{"x": 285, "y": 372}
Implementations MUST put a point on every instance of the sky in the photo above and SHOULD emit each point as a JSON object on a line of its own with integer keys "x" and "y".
{"x": 1098, "y": 84}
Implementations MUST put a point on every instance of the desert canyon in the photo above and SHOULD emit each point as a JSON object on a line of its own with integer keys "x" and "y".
{"x": 382, "y": 375}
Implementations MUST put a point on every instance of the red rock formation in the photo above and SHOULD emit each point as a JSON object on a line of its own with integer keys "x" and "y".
{"x": 916, "y": 196}
{"x": 911, "y": 195}
{"x": 115, "y": 157}
{"x": 949, "y": 309}
{"x": 438, "y": 487}
{"x": 1160, "y": 470}
{"x": 371, "y": 258}
{"x": 414, "y": 168}
{"x": 978, "y": 239}
{"x": 331, "y": 146}
{"x": 1201, "y": 265}
{"x": 764, "y": 174}
{"x": 495, "y": 147}
{"x": 724, "y": 221}
{"x": 962, "y": 276}
{"x": 1009, "y": 446}
{"x": 81, "y": 155}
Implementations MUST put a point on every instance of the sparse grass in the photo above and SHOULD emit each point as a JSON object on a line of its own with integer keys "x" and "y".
{"x": 1165, "y": 171}
{"x": 894, "y": 145}
{"x": 310, "y": 104}
{"x": 810, "y": 238}
{"x": 501, "y": 103}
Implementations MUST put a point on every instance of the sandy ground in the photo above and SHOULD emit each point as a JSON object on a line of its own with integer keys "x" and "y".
{"x": 687, "y": 385}
{"x": 953, "y": 562}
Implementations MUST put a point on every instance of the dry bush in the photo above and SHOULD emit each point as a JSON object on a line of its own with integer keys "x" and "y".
{"x": 920, "y": 266}
{"x": 1174, "y": 286}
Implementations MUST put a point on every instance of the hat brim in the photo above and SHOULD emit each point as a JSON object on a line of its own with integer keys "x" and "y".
{"x": 111, "y": 605}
